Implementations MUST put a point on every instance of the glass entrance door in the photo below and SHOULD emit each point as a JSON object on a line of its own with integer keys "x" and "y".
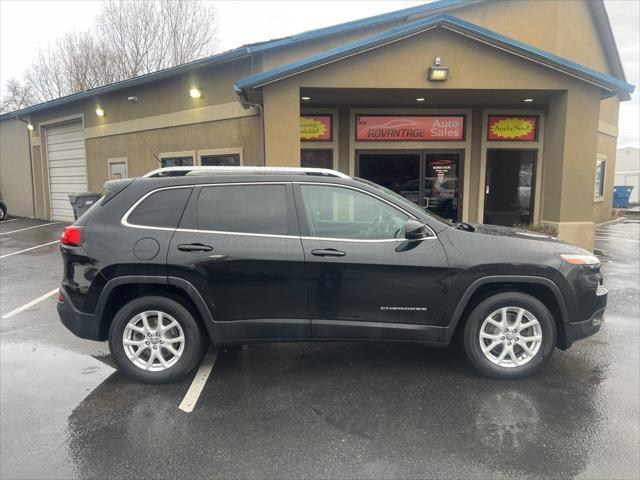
{"x": 510, "y": 187}
{"x": 401, "y": 172}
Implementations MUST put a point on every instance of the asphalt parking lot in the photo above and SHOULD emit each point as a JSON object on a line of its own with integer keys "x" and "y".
{"x": 344, "y": 410}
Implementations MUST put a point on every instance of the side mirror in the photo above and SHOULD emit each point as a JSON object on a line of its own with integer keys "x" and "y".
{"x": 414, "y": 230}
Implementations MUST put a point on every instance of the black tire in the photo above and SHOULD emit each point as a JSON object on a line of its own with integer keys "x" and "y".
{"x": 3, "y": 212}
{"x": 194, "y": 340}
{"x": 471, "y": 335}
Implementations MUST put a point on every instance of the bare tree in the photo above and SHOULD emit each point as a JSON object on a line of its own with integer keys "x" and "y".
{"x": 16, "y": 96}
{"x": 185, "y": 35}
{"x": 131, "y": 38}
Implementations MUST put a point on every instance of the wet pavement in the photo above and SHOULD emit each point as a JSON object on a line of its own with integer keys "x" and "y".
{"x": 342, "y": 410}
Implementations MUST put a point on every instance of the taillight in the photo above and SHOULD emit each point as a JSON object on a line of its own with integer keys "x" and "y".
{"x": 71, "y": 235}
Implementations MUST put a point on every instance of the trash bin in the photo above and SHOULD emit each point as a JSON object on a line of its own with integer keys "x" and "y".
{"x": 81, "y": 202}
{"x": 621, "y": 195}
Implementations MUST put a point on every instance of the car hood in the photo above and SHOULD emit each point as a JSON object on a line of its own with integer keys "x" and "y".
{"x": 500, "y": 231}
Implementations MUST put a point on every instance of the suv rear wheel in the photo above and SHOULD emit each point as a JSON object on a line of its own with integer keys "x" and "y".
{"x": 509, "y": 335}
{"x": 155, "y": 340}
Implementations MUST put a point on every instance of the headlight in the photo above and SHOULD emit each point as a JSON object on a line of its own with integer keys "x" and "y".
{"x": 577, "y": 259}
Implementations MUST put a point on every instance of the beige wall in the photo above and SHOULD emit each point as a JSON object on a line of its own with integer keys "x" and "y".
{"x": 15, "y": 168}
{"x": 139, "y": 147}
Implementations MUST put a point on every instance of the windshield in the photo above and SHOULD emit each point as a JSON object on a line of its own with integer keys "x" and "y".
{"x": 407, "y": 204}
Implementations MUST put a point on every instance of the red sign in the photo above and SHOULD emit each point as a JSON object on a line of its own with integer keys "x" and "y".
{"x": 315, "y": 128}
{"x": 512, "y": 127}
{"x": 386, "y": 128}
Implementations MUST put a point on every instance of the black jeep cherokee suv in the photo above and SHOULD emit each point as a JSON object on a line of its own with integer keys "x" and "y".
{"x": 164, "y": 264}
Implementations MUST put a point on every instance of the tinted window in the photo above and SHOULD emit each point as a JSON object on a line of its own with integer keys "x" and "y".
{"x": 177, "y": 161}
{"x": 244, "y": 209}
{"x": 334, "y": 212}
{"x": 161, "y": 209}
{"x": 231, "y": 160}
{"x": 316, "y": 158}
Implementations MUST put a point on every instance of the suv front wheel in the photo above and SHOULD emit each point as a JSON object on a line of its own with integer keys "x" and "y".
{"x": 509, "y": 335}
{"x": 155, "y": 340}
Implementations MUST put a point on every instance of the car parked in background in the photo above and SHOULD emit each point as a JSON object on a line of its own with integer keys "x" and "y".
{"x": 3, "y": 209}
{"x": 162, "y": 265}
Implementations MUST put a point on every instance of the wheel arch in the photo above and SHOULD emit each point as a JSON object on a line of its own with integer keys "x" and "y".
{"x": 121, "y": 290}
{"x": 544, "y": 289}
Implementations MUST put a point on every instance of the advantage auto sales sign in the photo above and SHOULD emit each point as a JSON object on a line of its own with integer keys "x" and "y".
{"x": 385, "y": 128}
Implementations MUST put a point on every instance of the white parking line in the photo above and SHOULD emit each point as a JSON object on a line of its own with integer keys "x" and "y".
{"x": 27, "y": 249}
{"x": 29, "y": 305}
{"x": 10, "y": 220}
{"x": 191, "y": 398}
{"x": 29, "y": 228}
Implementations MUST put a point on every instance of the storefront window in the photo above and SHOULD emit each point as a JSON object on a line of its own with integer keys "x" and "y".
{"x": 401, "y": 172}
{"x": 316, "y": 158}
{"x": 441, "y": 184}
{"x": 510, "y": 188}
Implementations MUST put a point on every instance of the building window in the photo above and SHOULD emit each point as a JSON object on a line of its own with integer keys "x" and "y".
{"x": 230, "y": 160}
{"x": 601, "y": 165}
{"x": 316, "y": 158}
{"x": 177, "y": 161}
{"x": 220, "y": 157}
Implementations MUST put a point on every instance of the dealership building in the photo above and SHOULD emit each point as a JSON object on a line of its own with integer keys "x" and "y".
{"x": 480, "y": 110}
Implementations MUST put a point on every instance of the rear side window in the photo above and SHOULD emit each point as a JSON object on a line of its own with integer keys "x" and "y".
{"x": 243, "y": 209}
{"x": 161, "y": 209}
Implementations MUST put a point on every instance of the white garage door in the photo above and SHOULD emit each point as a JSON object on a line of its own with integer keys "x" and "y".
{"x": 67, "y": 166}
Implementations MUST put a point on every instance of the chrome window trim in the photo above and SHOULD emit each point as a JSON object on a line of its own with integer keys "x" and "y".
{"x": 125, "y": 218}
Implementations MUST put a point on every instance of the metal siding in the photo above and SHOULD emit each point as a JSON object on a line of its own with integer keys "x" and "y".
{"x": 67, "y": 166}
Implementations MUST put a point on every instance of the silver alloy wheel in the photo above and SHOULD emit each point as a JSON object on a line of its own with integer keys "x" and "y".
{"x": 510, "y": 337}
{"x": 153, "y": 340}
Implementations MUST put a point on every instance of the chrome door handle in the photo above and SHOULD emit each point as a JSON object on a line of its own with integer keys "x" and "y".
{"x": 194, "y": 247}
{"x": 328, "y": 252}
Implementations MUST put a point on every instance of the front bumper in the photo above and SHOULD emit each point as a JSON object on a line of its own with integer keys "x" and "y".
{"x": 580, "y": 330}
{"x": 83, "y": 325}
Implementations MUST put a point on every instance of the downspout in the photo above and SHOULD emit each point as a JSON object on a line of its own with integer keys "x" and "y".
{"x": 31, "y": 171}
{"x": 245, "y": 102}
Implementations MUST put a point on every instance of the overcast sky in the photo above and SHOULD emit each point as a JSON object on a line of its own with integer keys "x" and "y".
{"x": 25, "y": 25}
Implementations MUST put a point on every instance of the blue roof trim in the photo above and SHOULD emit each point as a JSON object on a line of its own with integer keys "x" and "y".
{"x": 401, "y": 31}
{"x": 244, "y": 51}
{"x": 396, "y": 15}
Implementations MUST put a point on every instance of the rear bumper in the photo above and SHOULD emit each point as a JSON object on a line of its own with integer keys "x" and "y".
{"x": 580, "y": 330}
{"x": 83, "y": 325}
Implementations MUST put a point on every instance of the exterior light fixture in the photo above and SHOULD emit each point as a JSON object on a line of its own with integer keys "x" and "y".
{"x": 420, "y": 99}
{"x": 438, "y": 73}
{"x": 528, "y": 100}
{"x": 306, "y": 99}
{"x": 30, "y": 127}
{"x": 195, "y": 93}
{"x": 99, "y": 112}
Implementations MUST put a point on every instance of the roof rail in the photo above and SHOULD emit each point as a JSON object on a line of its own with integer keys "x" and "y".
{"x": 197, "y": 170}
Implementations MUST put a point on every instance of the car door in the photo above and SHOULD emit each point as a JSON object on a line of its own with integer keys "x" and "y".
{"x": 365, "y": 280}
{"x": 239, "y": 245}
